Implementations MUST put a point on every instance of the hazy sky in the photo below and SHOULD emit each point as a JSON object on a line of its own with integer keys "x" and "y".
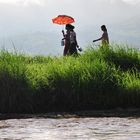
{"x": 29, "y": 16}
{"x": 24, "y": 15}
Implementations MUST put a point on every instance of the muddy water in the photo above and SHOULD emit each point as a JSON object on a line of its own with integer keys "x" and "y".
{"x": 70, "y": 129}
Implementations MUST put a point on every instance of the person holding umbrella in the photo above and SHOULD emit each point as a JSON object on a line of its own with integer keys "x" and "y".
{"x": 71, "y": 44}
{"x": 66, "y": 40}
{"x": 69, "y": 41}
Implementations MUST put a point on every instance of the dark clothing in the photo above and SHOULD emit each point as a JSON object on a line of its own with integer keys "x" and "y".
{"x": 67, "y": 43}
{"x": 70, "y": 43}
{"x": 66, "y": 50}
{"x": 73, "y": 43}
{"x": 73, "y": 49}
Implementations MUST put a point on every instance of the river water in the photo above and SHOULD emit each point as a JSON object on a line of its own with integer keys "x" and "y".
{"x": 111, "y": 128}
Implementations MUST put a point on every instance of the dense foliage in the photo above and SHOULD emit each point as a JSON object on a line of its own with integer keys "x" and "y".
{"x": 101, "y": 78}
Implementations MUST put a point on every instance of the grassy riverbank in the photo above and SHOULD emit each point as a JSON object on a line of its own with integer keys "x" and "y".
{"x": 97, "y": 79}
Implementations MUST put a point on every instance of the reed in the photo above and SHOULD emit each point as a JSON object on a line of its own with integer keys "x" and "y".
{"x": 100, "y": 78}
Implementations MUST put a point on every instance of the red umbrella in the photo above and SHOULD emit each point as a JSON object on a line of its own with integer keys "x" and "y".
{"x": 63, "y": 19}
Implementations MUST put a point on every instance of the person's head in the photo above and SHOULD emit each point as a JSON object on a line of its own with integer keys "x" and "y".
{"x": 69, "y": 27}
{"x": 103, "y": 28}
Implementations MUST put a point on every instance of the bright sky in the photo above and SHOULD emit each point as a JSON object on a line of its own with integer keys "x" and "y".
{"x": 22, "y": 2}
{"x": 18, "y": 17}
{"x": 41, "y": 2}
{"x": 39, "y": 12}
{"x": 132, "y": 1}
{"x": 31, "y": 15}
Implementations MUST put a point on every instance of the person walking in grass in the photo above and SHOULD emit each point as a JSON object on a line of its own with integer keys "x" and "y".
{"x": 104, "y": 38}
{"x": 71, "y": 44}
{"x": 66, "y": 40}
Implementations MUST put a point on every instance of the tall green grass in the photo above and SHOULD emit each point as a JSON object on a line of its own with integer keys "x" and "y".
{"x": 101, "y": 78}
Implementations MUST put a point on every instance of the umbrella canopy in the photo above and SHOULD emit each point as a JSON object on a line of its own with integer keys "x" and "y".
{"x": 63, "y": 19}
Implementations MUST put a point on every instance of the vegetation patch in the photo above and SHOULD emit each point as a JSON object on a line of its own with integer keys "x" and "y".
{"x": 101, "y": 78}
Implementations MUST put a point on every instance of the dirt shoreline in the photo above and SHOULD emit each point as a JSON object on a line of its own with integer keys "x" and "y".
{"x": 79, "y": 114}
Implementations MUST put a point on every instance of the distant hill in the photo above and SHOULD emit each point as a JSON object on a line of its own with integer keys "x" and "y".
{"x": 127, "y": 31}
{"x": 48, "y": 43}
{"x": 37, "y": 43}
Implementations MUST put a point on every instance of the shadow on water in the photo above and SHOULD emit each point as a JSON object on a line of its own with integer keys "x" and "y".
{"x": 122, "y": 113}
